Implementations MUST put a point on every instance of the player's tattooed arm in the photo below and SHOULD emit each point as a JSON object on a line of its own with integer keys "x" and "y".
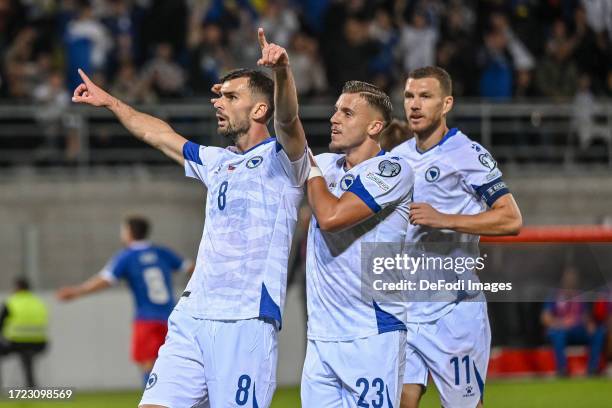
{"x": 334, "y": 214}
{"x": 503, "y": 218}
{"x": 147, "y": 128}
{"x": 287, "y": 124}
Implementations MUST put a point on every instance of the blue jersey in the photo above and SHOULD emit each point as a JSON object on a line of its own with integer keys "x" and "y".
{"x": 148, "y": 271}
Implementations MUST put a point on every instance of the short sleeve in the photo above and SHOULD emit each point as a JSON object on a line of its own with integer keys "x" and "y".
{"x": 199, "y": 159}
{"x": 116, "y": 268}
{"x": 297, "y": 170}
{"x": 482, "y": 175}
{"x": 384, "y": 182}
{"x": 172, "y": 259}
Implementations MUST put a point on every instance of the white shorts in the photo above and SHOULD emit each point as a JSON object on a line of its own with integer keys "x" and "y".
{"x": 455, "y": 350}
{"x": 213, "y": 363}
{"x": 360, "y": 373}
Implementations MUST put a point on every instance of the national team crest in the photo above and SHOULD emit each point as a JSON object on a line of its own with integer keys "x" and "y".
{"x": 487, "y": 161}
{"x": 347, "y": 182}
{"x": 151, "y": 381}
{"x": 254, "y": 162}
{"x": 388, "y": 168}
{"x": 432, "y": 174}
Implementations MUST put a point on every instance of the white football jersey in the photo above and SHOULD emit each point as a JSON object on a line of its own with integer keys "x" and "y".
{"x": 251, "y": 212}
{"x": 457, "y": 176}
{"x": 337, "y": 310}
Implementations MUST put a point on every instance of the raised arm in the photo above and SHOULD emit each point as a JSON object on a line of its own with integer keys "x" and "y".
{"x": 287, "y": 124}
{"x": 93, "y": 284}
{"x": 147, "y": 128}
{"x": 503, "y": 218}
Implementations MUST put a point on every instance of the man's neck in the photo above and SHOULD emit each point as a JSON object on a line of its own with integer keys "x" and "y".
{"x": 429, "y": 139}
{"x": 360, "y": 154}
{"x": 252, "y": 138}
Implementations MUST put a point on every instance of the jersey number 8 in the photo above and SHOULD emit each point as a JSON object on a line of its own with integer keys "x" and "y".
{"x": 157, "y": 291}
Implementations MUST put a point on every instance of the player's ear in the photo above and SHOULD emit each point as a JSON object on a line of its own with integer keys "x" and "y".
{"x": 447, "y": 104}
{"x": 375, "y": 128}
{"x": 259, "y": 111}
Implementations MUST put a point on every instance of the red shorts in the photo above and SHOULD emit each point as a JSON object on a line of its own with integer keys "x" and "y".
{"x": 147, "y": 338}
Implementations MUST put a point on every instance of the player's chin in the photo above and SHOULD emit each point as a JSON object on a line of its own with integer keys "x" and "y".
{"x": 336, "y": 147}
{"x": 223, "y": 129}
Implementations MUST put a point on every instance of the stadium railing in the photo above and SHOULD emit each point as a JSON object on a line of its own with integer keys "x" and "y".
{"x": 524, "y": 133}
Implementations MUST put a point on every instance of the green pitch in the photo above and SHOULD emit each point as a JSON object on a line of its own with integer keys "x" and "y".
{"x": 574, "y": 393}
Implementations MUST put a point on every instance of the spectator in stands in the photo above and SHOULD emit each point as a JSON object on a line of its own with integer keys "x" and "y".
{"x": 557, "y": 75}
{"x": 417, "y": 44}
{"x": 164, "y": 21}
{"x": 583, "y": 122}
{"x": 208, "y": 59}
{"x": 53, "y": 100}
{"x": 382, "y": 66}
{"x": 22, "y": 70}
{"x": 129, "y": 87}
{"x": 456, "y": 52}
{"x": 496, "y": 67}
{"x": 350, "y": 54}
{"x": 589, "y": 49}
{"x": 521, "y": 57}
{"x": 308, "y": 70}
{"x": 569, "y": 321}
{"x": 163, "y": 75}
{"x": 524, "y": 88}
{"x": 87, "y": 43}
{"x": 123, "y": 23}
{"x": 23, "y": 320}
{"x": 279, "y": 22}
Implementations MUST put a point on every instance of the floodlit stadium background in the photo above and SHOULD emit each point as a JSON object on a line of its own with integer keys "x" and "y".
{"x": 532, "y": 83}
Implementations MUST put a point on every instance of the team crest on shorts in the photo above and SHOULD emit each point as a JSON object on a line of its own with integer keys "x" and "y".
{"x": 254, "y": 162}
{"x": 151, "y": 381}
{"x": 388, "y": 168}
{"x": 347, "y": 182}
{"x": 432, "y": 174}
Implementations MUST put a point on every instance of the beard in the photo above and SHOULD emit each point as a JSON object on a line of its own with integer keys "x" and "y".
{"x": 234, "y": 131}
{"x": 427, "y": 129}
{"x": 336, "y": 148}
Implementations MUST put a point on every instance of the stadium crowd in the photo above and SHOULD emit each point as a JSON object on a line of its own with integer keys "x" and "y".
{"x": 151, "y": 50}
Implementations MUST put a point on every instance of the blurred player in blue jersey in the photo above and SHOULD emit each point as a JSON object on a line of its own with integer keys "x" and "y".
{"x": 221, "y": 348}
{"x": 459, "y": 195}
{"x": 148, "y": 269}
{"x": 358, "y": 194}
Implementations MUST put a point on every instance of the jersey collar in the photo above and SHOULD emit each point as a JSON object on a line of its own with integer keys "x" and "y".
{"x": 268, "y": 140}
{"x": 139, "y": 244}
{"x": 451, "y": 132}
{"x": 342, "y": 160}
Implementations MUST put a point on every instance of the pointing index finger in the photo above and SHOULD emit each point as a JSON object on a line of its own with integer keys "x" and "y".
{"x": 261, "y": 36}
{"x": 84, "y": 77}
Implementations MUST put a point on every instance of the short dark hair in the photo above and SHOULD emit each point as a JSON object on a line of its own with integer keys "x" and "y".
{"x": 259, "y": 83}
{"x": 22, "y": 283}
{"x": 139, "y": 227}
{"x": 373, "y": 95}
{"x": 446, "y": 83}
